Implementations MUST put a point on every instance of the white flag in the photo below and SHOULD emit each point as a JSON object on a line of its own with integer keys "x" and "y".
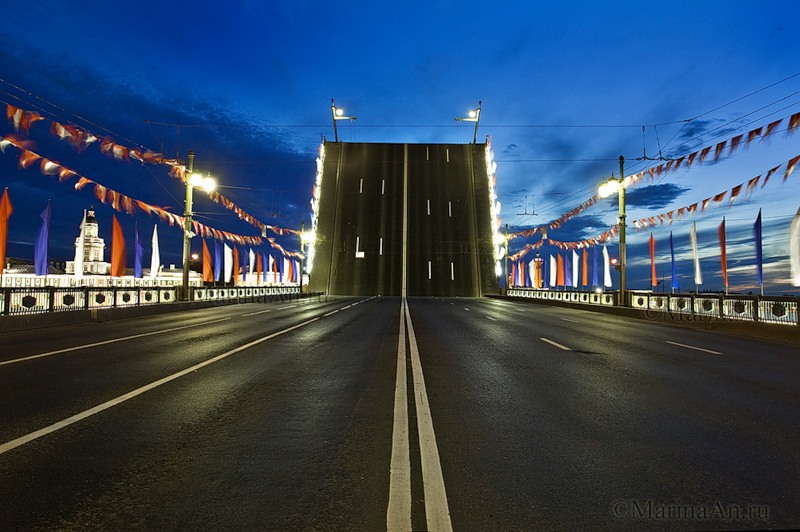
{"x": 794, "y": 249}
{"x": 272, "y": 273}
{"x": 532, "y": 274}
{"x": 575, "y": 261}
{"x": 79, "y": 248}
{"x": 553, "y": 270}
{"x": 606, "y": 268}
{"x": 155, "y": 256}
{"x": 698, "y": 275}
{"x": 251, "y": 263}
{"x": 228, "y": 262}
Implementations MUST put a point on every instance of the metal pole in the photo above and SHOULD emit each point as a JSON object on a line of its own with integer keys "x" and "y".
{"x": 187, "y": 229}
{"x": 333, "y": 115}
{"x": 505, "y": 274}
{"x": 622, "y": 216}
{"x": 302, "y": 254}
{"x": 477, "y": 119}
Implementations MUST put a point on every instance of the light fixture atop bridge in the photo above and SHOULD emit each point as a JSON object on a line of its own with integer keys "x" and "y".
{"x": 474, "y": 115}
{"x": 337, "y": 113}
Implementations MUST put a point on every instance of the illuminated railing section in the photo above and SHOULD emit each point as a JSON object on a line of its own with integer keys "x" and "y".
{"x": 499, "y": 240}
{"x": 310, "y": 237}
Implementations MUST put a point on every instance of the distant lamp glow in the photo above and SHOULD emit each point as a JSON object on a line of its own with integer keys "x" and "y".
{"x": 209, "y": 184}
{"x": 196, "y": 179}
{"x": 309, "y": 237}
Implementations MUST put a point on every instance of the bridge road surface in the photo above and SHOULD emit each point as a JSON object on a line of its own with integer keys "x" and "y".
{"x": 542, "y": 417}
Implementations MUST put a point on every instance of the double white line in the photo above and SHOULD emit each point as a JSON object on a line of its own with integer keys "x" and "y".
{"x": 398, "y": 513}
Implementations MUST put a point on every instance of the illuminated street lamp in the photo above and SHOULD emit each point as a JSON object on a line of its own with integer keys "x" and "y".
{"x": 474, "y": 115}
{"x": 606, "y": 189}
{"x": 337, "y": 113}
{"x": 192, "y": 180}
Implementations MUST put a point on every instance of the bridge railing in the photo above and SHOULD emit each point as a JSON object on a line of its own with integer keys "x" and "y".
{"x": 765, "y": 309}
{"x": 36, "y": 300}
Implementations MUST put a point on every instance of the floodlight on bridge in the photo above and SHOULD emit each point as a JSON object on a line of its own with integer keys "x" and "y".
{"x": 474, "y": 115}
{"x": 337, "y": 113}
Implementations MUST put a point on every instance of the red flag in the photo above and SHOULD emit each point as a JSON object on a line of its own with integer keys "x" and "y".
{"x": 118, "y": 258}
{"x": 560, "y": 272}
{"x": 653, "y": 278}
{"x": 585, "y": 270}
{"x": 790, "y": 167}
{"x": 235, "y": 265}
{"x": 208, "y": 271}
{"x": 5, "y": 212}
{"x": 259, "y": 268}
{"x": 723, "y": 257}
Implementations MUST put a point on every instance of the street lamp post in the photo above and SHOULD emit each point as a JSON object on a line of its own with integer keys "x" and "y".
{"x": 606, "y": 189}
{"x": 187, "y": 227}
{"x": 474, "y": 115}
{"x": 191, "y": 180}
{"x": 337, "y": 113}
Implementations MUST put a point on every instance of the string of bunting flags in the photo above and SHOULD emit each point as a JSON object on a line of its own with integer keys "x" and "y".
{"x": 80, "y": 139}
{"x": 123, "y": 203}
{"x": 749, "y": 187}
{"x": 733, "y": 144}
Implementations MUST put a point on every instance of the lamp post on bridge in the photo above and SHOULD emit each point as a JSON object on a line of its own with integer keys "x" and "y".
{"x": 474, "y": 115}
{"x": 606, "y": 189}
{"x": 191, "y": 181}
{"x": 337, "y": 113}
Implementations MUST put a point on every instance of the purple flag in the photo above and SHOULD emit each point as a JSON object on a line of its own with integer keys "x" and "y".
{"x": 265, "y": 266}
{"x": 759, "y": 257}
{"x": 245, "y": 258}
{"x": 137, "y": 253}
{"x": 217, "y": 261}
{"x": 40, "y": 265}
{"x": 567, "y": 270}
{"x": 595, "y": 281}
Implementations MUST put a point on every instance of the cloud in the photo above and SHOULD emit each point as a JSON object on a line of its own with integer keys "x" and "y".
{"x": 654, "y": 196}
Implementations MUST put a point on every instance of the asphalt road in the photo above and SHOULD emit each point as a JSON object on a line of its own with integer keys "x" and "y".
{"x": 288, "y": 416}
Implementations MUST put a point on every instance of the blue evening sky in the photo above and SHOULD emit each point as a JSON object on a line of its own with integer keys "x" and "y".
{"x": 565, "y": 88}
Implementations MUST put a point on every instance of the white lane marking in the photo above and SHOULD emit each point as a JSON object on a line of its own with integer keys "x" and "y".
{"x": 330, "y": 313}
{"x": 259, "y": 312}
{"x": 398, "y": 512}
{"x": 138, "y": 391}
{"x": 465, "y": 308}
{"x": 288, "y": 306}
{"x": 106, "y": 342}
{"x": 491, "y": 318}
{"x": 565, "y": 348}
{"x": 569, "y": 320}
{"x": 437, "y": 512}
{"x": 348, "y": 306}
{"x": 695, "y": 348}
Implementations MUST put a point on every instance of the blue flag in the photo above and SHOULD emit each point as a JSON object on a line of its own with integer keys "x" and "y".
{"x": 137, "y": 253}
{"x": 245, "y": 257}
{"x": 759, "y": 257}
{"x": 567, "y": 270}
{"x": 217, "y": 261}
{"x": 265, "y": 266}
{"x": 595, "y": 281}
{"x": 40, "y": 264}
{"x": 674, "y": 266}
